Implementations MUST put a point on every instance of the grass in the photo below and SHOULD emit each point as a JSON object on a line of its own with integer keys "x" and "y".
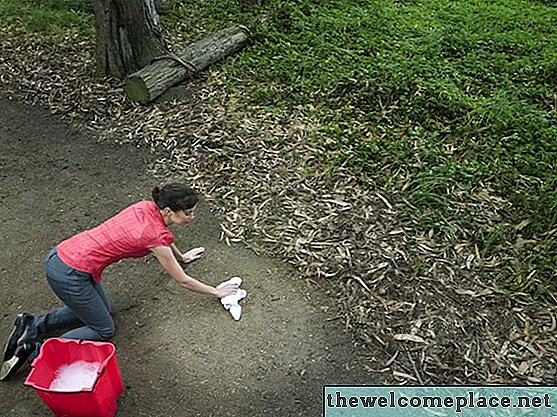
{"x": 451, "y": 105}
{"x": 49, "y": 21}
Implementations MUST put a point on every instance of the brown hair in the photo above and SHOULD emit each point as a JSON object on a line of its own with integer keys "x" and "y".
{"x": 175, "y": 196}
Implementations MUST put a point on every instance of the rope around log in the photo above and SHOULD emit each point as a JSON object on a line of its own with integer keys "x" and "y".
{"x": 188, "y": 65}
{"x": 246, "y": 29}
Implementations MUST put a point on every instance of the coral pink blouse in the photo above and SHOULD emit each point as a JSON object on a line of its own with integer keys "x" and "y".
{"x": 129, "y": 234}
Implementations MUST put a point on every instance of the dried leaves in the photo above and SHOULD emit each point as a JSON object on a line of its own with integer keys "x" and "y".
{"x": 425, "y": 310}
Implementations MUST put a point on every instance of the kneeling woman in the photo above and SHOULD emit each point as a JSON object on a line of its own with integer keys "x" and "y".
{"x": 74, "y": 268}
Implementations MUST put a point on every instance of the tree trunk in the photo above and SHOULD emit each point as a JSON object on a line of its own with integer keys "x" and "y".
{"x": 128, "y": 36}
{"x": 161, "y": 6}
{"x": 150, "y": 82}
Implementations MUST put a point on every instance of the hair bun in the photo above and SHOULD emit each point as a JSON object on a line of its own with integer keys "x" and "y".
{"x": 175, "y": 196}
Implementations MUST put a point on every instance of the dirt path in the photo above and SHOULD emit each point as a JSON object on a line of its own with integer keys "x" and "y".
{"x": 180, "y": 353}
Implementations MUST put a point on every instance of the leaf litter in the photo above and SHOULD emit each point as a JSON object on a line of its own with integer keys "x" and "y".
{"x": 428, "y": 312}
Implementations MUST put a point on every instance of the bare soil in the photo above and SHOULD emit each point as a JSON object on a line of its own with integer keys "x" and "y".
{"x": 181, "y": 354}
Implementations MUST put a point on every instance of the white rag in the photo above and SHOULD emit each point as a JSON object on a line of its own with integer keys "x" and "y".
{"x": 232, "y": 302}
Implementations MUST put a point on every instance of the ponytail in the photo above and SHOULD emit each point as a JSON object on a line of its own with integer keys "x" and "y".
{"x": 156, "y": 193}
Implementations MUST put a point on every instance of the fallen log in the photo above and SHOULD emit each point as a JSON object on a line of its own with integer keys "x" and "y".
{"x": 166, "y": 71}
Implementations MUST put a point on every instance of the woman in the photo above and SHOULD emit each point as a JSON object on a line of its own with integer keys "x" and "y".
{"x": 74, "y": 268}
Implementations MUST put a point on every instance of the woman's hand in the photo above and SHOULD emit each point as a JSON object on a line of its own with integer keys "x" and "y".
{"x": 192, "y": 255}
{"x": 228, "y": 289}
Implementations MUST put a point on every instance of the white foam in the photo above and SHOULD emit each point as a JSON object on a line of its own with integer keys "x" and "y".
{"x": 75, "y": 376}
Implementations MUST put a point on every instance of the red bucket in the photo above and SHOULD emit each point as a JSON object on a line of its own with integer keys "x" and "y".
{"x": 97, "y": 400}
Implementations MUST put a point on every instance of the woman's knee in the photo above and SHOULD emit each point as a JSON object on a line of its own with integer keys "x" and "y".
{"x": 107, "y": 332}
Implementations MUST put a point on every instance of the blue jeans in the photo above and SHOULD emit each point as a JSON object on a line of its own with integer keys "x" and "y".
{"x": 85, "y": 302}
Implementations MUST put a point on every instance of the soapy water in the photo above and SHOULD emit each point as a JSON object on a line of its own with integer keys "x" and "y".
{"x": 75, "y": 376}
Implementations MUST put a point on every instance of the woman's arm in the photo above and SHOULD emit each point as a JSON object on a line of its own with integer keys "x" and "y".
{"x": 168, "y": 261}
{"x": 176, "y": 251}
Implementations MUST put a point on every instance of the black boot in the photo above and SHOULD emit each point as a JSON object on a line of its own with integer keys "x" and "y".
{"x": 22, "y": 354}
{"x": 20, "y": 324}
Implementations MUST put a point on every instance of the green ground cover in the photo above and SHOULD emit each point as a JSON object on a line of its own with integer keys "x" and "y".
{"x": 451, "y": 106}
{"x": 48, "y": 21}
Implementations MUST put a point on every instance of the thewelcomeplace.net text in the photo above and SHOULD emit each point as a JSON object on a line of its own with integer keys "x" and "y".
{"x": 457, "y": 403}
